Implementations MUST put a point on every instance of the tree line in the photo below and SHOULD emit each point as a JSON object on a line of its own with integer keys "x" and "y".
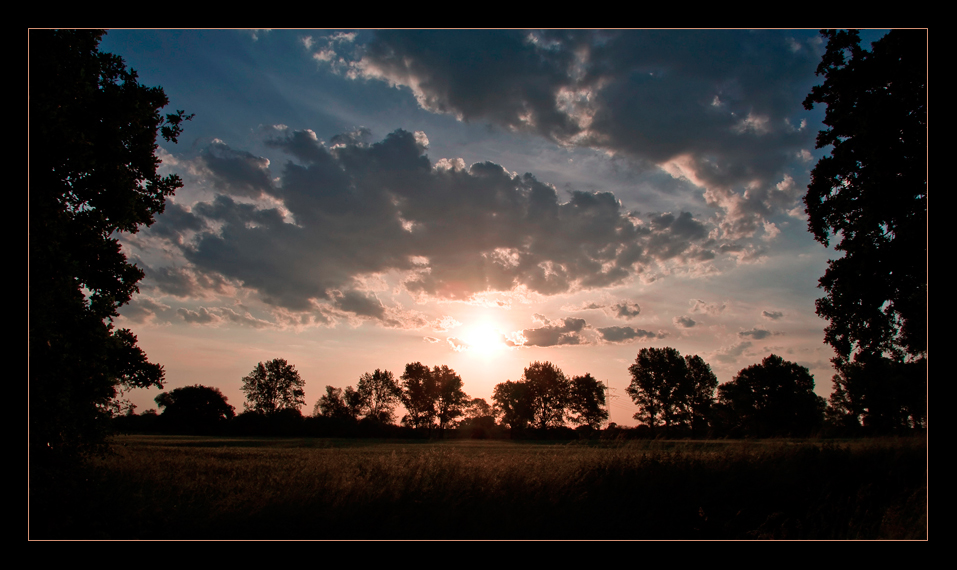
{"x": 676, "y": 396}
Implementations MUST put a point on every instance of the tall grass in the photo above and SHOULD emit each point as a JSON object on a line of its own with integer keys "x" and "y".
{"x": 328, "y": 489}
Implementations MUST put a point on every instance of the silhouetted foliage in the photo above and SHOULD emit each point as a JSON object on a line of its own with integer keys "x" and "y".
{"x": 587, "y": 401}
{"x": 658, "y": 387}
{"x": 880, "y": 394}
{"x": 273, "y": 386}
{"x": 699, "y": 394}
{"x": 513, "y": 404}
{"x": 773, "y": 399}
{"x": 93, "y": 166}
{"x": 378, "y": 394}
{"x": 333, "y": 405}
{"x": 872, "y": 192}
{"x": 194, "y": 409}
{"x": 418, "y": 395}
{"x": 451, "y": 399}
{"x": 549, "y": 391}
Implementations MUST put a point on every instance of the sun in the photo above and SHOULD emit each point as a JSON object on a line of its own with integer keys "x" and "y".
{"x": 484, "y": 337}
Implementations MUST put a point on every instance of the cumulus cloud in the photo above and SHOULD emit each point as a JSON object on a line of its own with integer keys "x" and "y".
{"x": 683, "y": 322}
{"x": 730, "y": 354}
{"x": 626, "y": 309}
{"x": 626, "y": 334}
{"x": 723, "y": 122}
{"x": 755, "y": 333}
{"x": 338, "y": 213}
{"x": 554, "y": 333}
{"x": 142, "y": 309}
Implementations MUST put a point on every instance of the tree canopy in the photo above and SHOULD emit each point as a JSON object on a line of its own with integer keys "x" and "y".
{"x": 871, "y": 192}
{"x": 586, "y": 400}
{"x": 273, "y": 386}
{"x": 773, "y": 399}
{"x": 379, "y": 393}
{"x": 194, "y": 409}
{"x": 93, "y": 175}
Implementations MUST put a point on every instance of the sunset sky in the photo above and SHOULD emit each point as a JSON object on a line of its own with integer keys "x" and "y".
{"x": 480, "y": 199}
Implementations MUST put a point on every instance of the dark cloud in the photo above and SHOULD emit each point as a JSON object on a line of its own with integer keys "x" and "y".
{"x": 772, "y": 315}
{"x": 561, "y": 332}
{"x": 365, "y": 209}
{"x": 755, "y": 333}
{"x": 684, "y": 322}
{"x": 626, "y": 309}
{"x": 724, "y": 102}
{"x": 236, "y": 172}
{"x": 625, "y": 334}
{"x": 142, "y": 309}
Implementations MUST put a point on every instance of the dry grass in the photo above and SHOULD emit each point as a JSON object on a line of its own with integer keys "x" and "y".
{"x": 182, "y": 487}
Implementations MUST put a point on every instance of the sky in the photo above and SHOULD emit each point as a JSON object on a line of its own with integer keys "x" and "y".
{"x": 481, "y": 199}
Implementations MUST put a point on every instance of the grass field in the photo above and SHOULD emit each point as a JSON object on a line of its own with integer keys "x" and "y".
{"x": 168, "y": 487}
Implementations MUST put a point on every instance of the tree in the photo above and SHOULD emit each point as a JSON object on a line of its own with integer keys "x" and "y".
{"x": 659, "y": 386}
{"x": 513, "y": 404}
{"x": 451, "y": 399}
{"x": 773, "y": 399}
{"x": 379, "y": 394}
{"x": 431, "y": 396}
{"x": 332, "y": 405}
{"x": 881, "y": 394}
{"x": 699, "y": 393}
{"x": 871, "y": 191}
{"x": 587, "y": 400}
{"x": 273, "y": 386}
{"x": 418, "y": 395}
{"x": 549, "y": 392}
{"x": 93, "y": 176}
{"x": 194, "y": 409}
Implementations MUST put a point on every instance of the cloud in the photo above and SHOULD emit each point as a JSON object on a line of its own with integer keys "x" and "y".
{"x": 699, "y": 306}
{"x": 625, "y": 334}
{"x": 730, "y": 354}
{"x": 756, "y": 333}
{"x": 683, "y": 321}
{"x": 336, "y": 214}
{"x": 142, "y": 309}
{"x": 723, "y": 122}
{"x": 238, "y": 173}
{"x": 555, "y": 333}
{"x": 626, "y": 309}
{"x": 772, "y": 315}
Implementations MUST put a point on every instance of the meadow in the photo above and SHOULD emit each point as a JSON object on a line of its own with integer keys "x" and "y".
{"x": 183, "y": 487}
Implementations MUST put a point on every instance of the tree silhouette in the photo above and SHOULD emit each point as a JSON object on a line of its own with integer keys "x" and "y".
{"x": 871, "y": 191}
{"x": 418, "y": 395}
{"x": 451, "y": 399}
{"x": 880, "y": 394}
{"x": 194, "y": 409}
{"x": 773, "y": 399}
{"x": 587, "y": 401}
{"x": 659, "y": 387}
{"x": 549, "y": 390}
{"x": 273, "y": 386}
{"x": 513, "y": 404}
{"x": 379, "y": 394}
{"x": 699, "y": 393}
{"x": 333, "y": 405}
{"x": 93, "y": 176}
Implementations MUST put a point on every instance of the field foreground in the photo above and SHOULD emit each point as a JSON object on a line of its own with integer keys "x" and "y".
{"x": 170, "y": 487}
